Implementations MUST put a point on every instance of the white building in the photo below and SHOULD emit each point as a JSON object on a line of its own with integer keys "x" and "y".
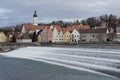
{"x": 75, "y": 35}
{"x": 57, "y": 35}
{"x": 60, "y": 36}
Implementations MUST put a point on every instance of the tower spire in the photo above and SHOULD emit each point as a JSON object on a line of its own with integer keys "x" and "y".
{"x": 35, "y": 14}
{"x": 35, "y": 18}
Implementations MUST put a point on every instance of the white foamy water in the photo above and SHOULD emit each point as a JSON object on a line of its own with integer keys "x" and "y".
{"x": 99, "y": 61}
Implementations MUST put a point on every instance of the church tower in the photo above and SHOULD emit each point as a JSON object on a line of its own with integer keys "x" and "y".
{"x": 35, "y": 18}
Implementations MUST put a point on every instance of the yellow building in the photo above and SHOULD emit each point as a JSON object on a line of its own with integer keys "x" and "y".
{"x": 67, "y": 36}
{"x": 3, "y": 37}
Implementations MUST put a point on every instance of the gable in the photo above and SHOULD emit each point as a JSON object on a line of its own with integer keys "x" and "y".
{"x": 75, "y": 32}
{"x": 55, "y": 30}
{"x": 67, "y": 33}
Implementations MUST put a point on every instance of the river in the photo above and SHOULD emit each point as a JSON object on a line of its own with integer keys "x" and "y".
{"x": 60, "y": 63}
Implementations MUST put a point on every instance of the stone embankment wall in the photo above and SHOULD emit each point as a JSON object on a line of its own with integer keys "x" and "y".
{"x": 12, "y": 46}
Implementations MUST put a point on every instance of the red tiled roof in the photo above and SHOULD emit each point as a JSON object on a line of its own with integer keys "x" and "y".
{"x": 69, "y": 28}
{"x": 58, "y": 27}
{"x": 84, "y": 27}
{"x": 32, "y": 27}
{"x": 77, "y": 27}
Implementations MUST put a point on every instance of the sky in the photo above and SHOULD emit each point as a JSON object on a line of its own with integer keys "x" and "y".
{"x": 14, "y": 12}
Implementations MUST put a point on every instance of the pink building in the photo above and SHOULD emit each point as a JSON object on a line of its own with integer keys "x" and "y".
{"x": 50, "y": 35}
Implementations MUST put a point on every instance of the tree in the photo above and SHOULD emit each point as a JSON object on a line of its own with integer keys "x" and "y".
{"x": 91, "y": 21}
{"x": 111, "y": 20}
{"x": 13, "y": 38}
{"x": 34, "y": 37}
{"x": 83, "y": 22}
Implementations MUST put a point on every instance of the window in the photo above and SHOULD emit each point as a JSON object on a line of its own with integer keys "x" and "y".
{"x": 72, "y": 35}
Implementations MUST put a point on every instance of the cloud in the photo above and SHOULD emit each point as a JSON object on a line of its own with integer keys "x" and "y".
{"x": 3, "y": 11}
{"x": 20, "y": 11}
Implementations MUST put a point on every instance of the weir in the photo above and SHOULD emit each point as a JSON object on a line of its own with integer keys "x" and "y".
{"x": 99, "y": 61}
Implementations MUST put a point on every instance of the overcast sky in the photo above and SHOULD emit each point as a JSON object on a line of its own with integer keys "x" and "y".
{"x": 14, "y": 12}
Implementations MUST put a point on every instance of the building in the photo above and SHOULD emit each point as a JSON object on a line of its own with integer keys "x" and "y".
{"x": 57, "y": 35}
{"x": 93, "y": 35}
{"x": 50, "y": 35}
{"x": 3, "y": 37}
{"x": 24, "y": 38}
{"x": 117, "y": 33}
{"x": 75, "y": 35}
{"x": 35, "y": 18}
{"x": 38, "y": 36}
{"x": 31, "y": 28}
{"x": 67, "y": 36}
{"x": 44, "y": 35}
{"x": 60, "y": 36}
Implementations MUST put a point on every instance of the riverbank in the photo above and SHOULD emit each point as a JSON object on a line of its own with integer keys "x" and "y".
{"x": 62, "y": 43}
{"x": 6, "y": 47}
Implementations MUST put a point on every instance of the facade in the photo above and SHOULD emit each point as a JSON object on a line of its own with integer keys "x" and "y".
{"x": 24, "y": 38}
{"x": 49, "y": 35}
{"x": 44, "y": 36}
{"x": 93, "y": 35}
{"x": 39, "y": 37}
{"x": 67, "y": 36}
{"x": 75, "y": 35}
{"x": 57, "y": 35}
{"x": 3, "y": 37}
{"x": 111, "y": 34}
{"x": 60, "y": 36}
{"x": 117, "y": 33}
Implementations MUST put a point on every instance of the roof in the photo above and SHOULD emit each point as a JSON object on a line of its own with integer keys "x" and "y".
{"x": 35, "y": 15}
{"x": 58, "y": 27}
{"x": 69, "y": 28}
{"x": 29, "y": 27}
{"x": 84, "y": 27}
{"x": 77, "y": 27}
{"x": 93, "y": 30}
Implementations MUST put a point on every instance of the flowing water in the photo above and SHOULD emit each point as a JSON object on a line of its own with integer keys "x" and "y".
{"x": 104, "y": 62}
